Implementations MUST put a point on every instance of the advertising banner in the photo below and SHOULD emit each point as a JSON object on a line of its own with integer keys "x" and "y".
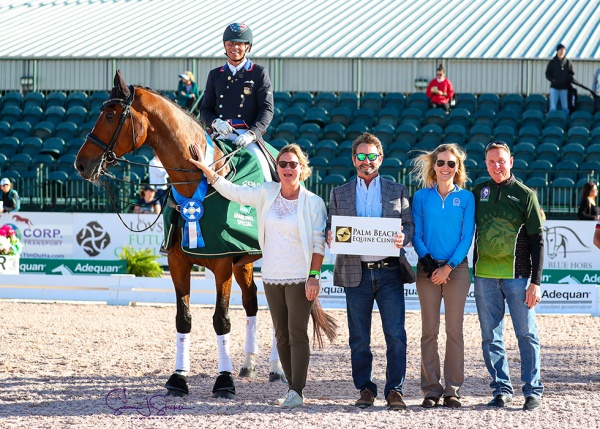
{"x": 364, "y": 235}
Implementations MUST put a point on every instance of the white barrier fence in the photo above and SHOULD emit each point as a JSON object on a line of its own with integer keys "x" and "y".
{"x": 126, "y": 289}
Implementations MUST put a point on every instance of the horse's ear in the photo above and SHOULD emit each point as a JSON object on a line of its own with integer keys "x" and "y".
{"x": 120, "y": 90}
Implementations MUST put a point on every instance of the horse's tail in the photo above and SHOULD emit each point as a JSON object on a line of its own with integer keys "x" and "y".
{"x": 322, "y": 323}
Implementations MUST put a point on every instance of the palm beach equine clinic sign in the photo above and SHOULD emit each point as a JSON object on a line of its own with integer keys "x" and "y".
{"x": 364, "y": 236}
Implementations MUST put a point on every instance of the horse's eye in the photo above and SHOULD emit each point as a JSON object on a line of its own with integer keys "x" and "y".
{"x": 110, "y": 115}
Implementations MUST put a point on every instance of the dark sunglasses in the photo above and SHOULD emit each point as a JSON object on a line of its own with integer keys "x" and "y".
{"x": 441, "y": 163}
{"x": 496, "y": 145}
{"x": 439, "y": 74}
{"x": 363, "y": 156}
{"x": 284, "y": 164}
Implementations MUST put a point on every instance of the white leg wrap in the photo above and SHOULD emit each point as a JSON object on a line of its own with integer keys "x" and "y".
{"x": 251, "y": 342}
{"x": 182, "y": 360}
{"x": 224, "y": 357}
{"x": 274, "y": 352}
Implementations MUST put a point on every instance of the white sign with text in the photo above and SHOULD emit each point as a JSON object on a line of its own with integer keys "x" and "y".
{"x": 354, "y": 235}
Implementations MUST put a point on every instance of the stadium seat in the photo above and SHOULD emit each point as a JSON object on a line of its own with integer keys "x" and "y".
{"x": 533, "y": 118}
{"x": 407, "y": 133}
{"x": 573, "y": 152}
{"x": 557, "y": 118}
{"x": 592, "y": 153}
{"x": 412, "y": 116}
{"x": 76, "y": 114}
{"x": 31, "y": 146}
{"x": 540, "y": 168}
{"x": 553, "y": 135}
{"x": 343, "y": 166}
{"x": 364, "y": 115}
{"x": 32, "y": 114}
{"x": 585, "y": 103}
{"x": 56, "y": 98}
{"x": 334, "y": 131}
{"x": 485, "y": 117}
{"x": 388, "y": 116}
{"x": 595, "y": 136}
{"x": 344, "y": 149}
{"x": 334, "y": 179}
{"x": 307, "y": 146}
{"x": 20, "y": 162}
{"x": 391, "y": 166}
{"x": 302, "y": 99}
{"x": 4, "y": 129}
{"x": 54, "y": 114}
{"x": 524, "y": 151}
{"x": 562, "y": 192}
{"x": 520, "y": 168}
{"x": 508, "y": 117}
{"x": 481, "y": 179}
{"x": 43, "y": 130}
{"x": 341, "y": 115}
{"x": 385, "y": 133}
{"x": 86, "y": 128}
{"x": 471, "y": 166}
{"x": 282, "y": 99}
{"x": 97, "y": 99}
{"x": 319, "y": 165}
{"x": 34, "y": 99}
{"x": 431, "y": 134}
{"x": 455, "y": 134}
{"x": 317, "y": 115}
{"x": 435, "y": 116}
{"x": 536, "y": 102}
{"x": 395, "y": 100}
{"x": 355, "y": 130}
{"x": 596, "y": 120}
{"x": 372, "y": 100}
{"x": 466, "y": 101}
{"x": 549, "y": 152}
{"x": 3, "y": 162}
{"x": 54, "y": 146}
{"x": 488, "y": 101}
{"x": 12, "y": 98}
{"x": 586, "y": 169}
{"x": 20, "y": 130}
{"x": 10, "y": 114}
{"x": 326, "y": 99}
{"x": 505, "y": 133}
{"x": 9, "y": 146}
{"x": 530, "y": 134}
{"x": 418, "y": 100}
{"x": 42, "y": 161}
{"x": 475, "y": 151}
{"x": 536, "y": 183}
{"x": 399, "y": 149}
{"x": 480, "y": 134}
{"x": 581, "y": 119}
{"x": 287, "y": 131}
{"x": 566, "y": 168}
{"x": 278, "y": 143}
{"x": 578, "y": 135}
{"x": 460, "y": 116}
{"x": 309, "y": 131}
{"x": 513, "y": 102}
{"x": 72, "y": 146}
{"x": 326, "y": 149}
{"x": 66, "y": 130}
{"x": 294, "y": 115}
{"x": 347, "y": 99}
{"x": 76, "y": 98}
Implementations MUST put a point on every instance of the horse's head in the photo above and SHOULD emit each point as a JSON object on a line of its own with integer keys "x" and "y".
{"x": 120, "y": 129}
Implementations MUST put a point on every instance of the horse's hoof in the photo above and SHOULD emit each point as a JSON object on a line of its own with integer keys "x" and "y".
{"x": 273, "y": 377}
{"x": 224, "y": 386}
{"x": 177, "y": 385}
{"x": 248, "y": 372}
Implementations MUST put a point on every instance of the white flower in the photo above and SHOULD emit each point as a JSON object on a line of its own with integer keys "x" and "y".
{"x": 4, "y": 245}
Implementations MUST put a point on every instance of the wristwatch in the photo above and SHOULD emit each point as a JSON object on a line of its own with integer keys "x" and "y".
{"x": 314, "y": 276}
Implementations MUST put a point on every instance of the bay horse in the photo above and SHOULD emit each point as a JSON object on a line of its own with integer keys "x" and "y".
{"x": 134, "y": 116}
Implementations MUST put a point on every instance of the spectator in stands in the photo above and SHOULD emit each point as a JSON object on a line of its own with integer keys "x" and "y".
{"x": 509, "y": 249}
{"x": 158, "y": 176}
{"x": 291, "y": 224}
{"x": 10, "y": 201}
{"x": 147, "y": 202}
{"x": 444, "y": 215}
{"x": 187, "y": 90}
{"x": 597, "y": 235}
{"x": 368, "y": 279}
{"x": 588, "y": 209}
{"x": 560, "y": 74}
{"x": 238, "y": 99}
{"x": 440, "y": 90}
{"x": 596, "y": 90}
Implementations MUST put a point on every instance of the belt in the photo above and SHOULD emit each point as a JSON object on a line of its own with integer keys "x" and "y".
{"x": 379, "y": 264}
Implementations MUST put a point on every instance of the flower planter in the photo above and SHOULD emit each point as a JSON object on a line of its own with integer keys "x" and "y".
{"x": 9, "y": 264}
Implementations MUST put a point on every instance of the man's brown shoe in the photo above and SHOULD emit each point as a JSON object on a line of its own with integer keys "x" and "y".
{"x": 451, "y": 402}
{"x": 366, "y": 399}
{"x": 395, "y": 401}
{"x": 430, "y": 402}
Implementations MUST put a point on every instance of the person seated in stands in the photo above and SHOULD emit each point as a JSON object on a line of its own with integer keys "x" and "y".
{"x": 187, "y": 91}
{"x": 440, "y": 90}
{"x": 10, "y": 201}
{"x": 147, "y": 203}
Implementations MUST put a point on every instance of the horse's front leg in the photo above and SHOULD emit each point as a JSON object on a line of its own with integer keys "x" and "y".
{"x": 244, "y": 277}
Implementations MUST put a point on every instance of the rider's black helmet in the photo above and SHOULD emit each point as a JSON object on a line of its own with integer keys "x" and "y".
{"x": 238, "y": 32}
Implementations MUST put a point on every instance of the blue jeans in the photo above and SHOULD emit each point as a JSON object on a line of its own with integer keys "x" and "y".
{"x": 555, "y": 95}
{"x": 383, "y": 286}
{"x": 490, "y": 298}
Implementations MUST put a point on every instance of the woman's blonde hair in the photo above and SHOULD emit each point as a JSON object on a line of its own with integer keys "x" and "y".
{"x": 306, "y": 171}
{"x": 424, "y": 172}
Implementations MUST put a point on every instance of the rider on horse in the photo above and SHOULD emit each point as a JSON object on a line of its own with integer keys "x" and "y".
{"x": 238, "y": 99}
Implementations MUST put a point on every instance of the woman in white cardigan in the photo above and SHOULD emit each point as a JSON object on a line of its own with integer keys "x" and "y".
{"x": 291, "y": 234}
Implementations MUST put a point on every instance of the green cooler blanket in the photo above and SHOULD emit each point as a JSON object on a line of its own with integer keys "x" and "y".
{"x": 228, "y": 228}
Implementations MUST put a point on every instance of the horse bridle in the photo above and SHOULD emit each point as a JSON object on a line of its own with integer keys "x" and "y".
{"x": 109, "y": 157}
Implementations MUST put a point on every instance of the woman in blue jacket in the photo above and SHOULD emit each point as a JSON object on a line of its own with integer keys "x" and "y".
{"x": 444, "y": 216}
